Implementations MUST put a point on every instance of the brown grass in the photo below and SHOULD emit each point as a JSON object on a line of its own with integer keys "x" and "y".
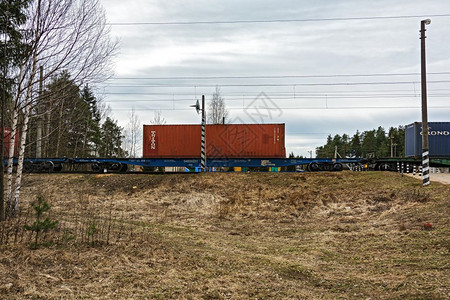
{"x": 220, "y": 236}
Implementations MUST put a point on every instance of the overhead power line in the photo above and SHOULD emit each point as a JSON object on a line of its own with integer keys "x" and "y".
{"x": 292, "y": 108}
{"x": 169, "y": 85}
{"x": 253, "y": 94}
{"x": 274, "y": 76}
{"x": 291, "y": 98}
{"x": 277, "y": 20}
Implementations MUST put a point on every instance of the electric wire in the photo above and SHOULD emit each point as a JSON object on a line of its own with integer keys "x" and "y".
{"x": 252, "y": 93}
{"x": 274, "y": 76}
{"x": 168, "y": 85}
{"x": 298, "y": 97}
{"x": 277, "y": 20}
{"x": 291, "y": 108}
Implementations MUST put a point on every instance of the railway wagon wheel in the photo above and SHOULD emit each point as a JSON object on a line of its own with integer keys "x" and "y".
{"x": 28, "y": 167}
{"x": 39, "y": 167}
{"x": 313, "y": 167}
{"x": 96, "y": 167}
{"x": 124, "y": 168}
{"x": 386, "y": 167}
{"x": 338, "y": 167}
{"x": 109, "y": 167}
{"x": 57, "y": 168}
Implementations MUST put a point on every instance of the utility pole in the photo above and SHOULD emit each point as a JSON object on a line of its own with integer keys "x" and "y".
{"x": 392, "y": 145}
{"x": 203, "y": 154}
{"x": 425, "y": 153}
{"x": 39, "y": 117}
{"x": 202, "y": 109}
{"x": 118, "y": 144}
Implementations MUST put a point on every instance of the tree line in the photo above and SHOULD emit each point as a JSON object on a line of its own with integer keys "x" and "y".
{"x": 375, "y": 143}
{"x": 72, "y": 123}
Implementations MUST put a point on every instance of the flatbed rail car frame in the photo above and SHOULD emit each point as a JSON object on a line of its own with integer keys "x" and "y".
{"x": 311, "y": 164}
{"x": 121, "y": 164}
{"x": 392, "y": 163}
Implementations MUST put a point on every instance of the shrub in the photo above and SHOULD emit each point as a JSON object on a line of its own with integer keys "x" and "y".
{"x": 40, "y": 207}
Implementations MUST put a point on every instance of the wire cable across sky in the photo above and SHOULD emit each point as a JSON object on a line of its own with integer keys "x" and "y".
{"x": 277, "y": 20}
{"x": 274, "y": 76}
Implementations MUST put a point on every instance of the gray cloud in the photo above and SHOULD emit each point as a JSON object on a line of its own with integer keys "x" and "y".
{"x": 298, "y": 48}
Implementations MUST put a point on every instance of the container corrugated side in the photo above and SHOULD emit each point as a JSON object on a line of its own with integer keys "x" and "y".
{"x": 171, "y": 141}
{"x": 245, "y": 140}
{"x": 411, "y": 140}
{"x": 231, "y": 140}
{"x": 438, "y": 139}
{"x": 7, "y": 140}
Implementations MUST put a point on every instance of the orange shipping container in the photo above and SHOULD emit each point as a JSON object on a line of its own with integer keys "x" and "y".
{"x": 7, "y": 140}
{"x": 230, "y": 140}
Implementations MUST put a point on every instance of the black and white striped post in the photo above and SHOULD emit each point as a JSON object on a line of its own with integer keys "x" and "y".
{"x": 203, "y": 143}
{"x": 203, "y": 150}
{"x": 425, "y": 153}
{"x": 425, "y": 168}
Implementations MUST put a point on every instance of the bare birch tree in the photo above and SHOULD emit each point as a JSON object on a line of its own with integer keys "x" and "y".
{"x": 62, "y": 35}
{"x": 217, "y": 111}
{"x": 133, "y": 134}
{"x": 158, "y": 119}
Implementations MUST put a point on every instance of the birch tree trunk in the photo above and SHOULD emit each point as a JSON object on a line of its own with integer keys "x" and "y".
{"x": 23, "y": 138}
{"x": 10, "y": 166}
{"x": 12, "y": 197}
{"x": 12, "y": 148}
{"x": 60, "y": 130}
{"x": 13, "y": 208}
{"x": 47, "y": 128}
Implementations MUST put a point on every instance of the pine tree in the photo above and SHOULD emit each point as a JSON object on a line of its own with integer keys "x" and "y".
{"x": 64, "y": 112}
{"x": 382, "y": 148}
{"x": 368, "y": 142}
{"x": 92, "y": 123}
{"x": 111, "y": 145}
{"x": 355, "y": 144}
{"x": 40, "y": 207}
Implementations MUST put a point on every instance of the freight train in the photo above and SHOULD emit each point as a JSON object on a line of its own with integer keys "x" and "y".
{"x": 439, "y": 148}
{"x": 245, "y": 145}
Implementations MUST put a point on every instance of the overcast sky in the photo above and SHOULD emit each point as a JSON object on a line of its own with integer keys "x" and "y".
{"x": 335, "y": 70}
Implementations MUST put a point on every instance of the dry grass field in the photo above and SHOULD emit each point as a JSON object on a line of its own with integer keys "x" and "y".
{"x": 340, "y": 235}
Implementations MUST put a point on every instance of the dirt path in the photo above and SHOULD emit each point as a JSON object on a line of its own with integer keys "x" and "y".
{"x": 437, "y": 177}
{"x": 441, "y": 177}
